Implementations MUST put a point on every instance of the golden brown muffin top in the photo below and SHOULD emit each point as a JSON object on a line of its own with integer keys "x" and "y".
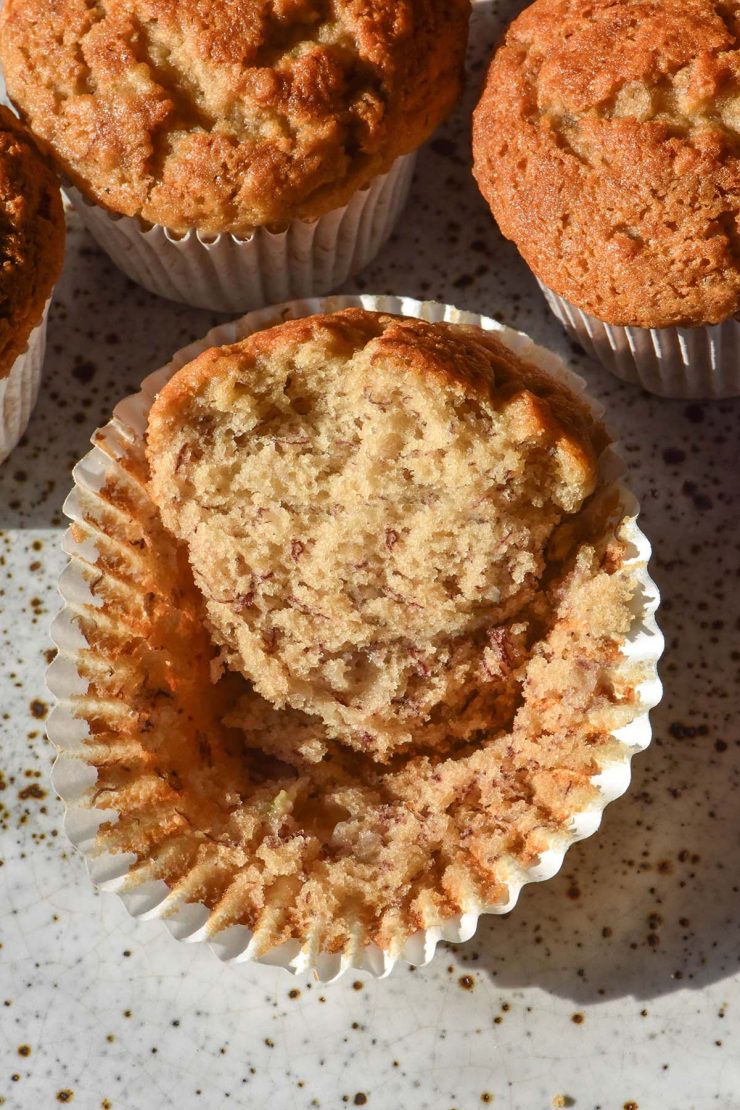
{"x": 607, "y": 144}
{"x": 226, "y": 116}
{"x": 31, "y": 237}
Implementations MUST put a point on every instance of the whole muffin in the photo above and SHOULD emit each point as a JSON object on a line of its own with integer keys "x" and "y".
{"x": 368, "y": 503}
{"x": 32, "y": 247}
{"x": 225, "y": 117}
{"x": 606, "y": 143}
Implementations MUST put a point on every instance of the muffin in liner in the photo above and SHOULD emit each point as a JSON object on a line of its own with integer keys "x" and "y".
{"x": 105, "y": 596}
{"x": 20, "y": 389}
{"x": 228, "y": 129}
{"x": 228, "y": 273}
{"x": 697, "y": 362}
{"x": 615, "y": 194}
{"x": 33, "y": 237}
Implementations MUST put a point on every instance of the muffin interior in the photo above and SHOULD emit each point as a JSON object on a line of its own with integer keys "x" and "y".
{"x": 258, "y": 814}
{"x": 367, "y": 503}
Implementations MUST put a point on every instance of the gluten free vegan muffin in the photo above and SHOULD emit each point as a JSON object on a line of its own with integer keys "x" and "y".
{"x": 211, "y": 121}
{"x": 367, "y": 502}
{"x": 607, "y": 144}
{"x": 253, "y": 826}
{"x": 32, "y": 247}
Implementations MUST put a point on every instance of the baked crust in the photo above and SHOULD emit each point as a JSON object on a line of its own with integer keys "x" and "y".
{"x": 607, "y": 143}
{"x": 31, "y": 237}
{"x": 368, "y": 502}
{"x": 224, "y": 116}
{"x": 459, "y": 356}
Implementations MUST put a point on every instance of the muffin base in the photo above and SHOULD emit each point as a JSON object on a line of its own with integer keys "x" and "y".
{"x": 20, "y": 389}
{"x": 74, "y": 777}
{"x": 701, "y": 363}
{"x": 226, "y": 273}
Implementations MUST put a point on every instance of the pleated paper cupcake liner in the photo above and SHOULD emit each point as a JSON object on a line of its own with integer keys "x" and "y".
{"x": 93, "y": 543}
{"x": 20, "y": 389}
{"x": 690, "y": 363}
{"x": 227, "y": 273}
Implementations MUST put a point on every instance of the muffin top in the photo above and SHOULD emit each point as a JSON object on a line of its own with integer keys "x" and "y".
{"x": 226, "y": 116}
{"x": 258, "y": 814}
{"x": 607, "y": 143}
{"x": 368, "y": 502}
{"x": 31, "y": 237}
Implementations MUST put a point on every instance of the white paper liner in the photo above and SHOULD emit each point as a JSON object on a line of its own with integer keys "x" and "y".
{"x": 20, "y": 389}
{"x": 227, "y": 273}
{"x": 699, "y": 363}
{"x": 73, "y": 778}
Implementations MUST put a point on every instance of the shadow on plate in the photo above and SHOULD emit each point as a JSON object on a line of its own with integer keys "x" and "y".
{"x": 649, "y": 904}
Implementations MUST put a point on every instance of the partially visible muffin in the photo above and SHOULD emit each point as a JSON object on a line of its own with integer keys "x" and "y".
{"x": 31, "y": 238}
{"x": 607, "y": 143}
{"x": 226, "y": 117}
{"x": 370, "y": 504}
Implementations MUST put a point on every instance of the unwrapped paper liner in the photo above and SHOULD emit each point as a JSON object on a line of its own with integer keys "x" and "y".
{"x": 229, "y": 273}
{"x": 74, "y": 778}
{"x": 699, "y": 363}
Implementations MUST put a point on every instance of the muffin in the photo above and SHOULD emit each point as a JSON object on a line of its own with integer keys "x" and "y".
{"x": 32, "y": 244}
{"x": 231, "y": 157}
{"x": 220, "y": 796}
{"x": 367, "y": 502}
{"x": 617, "y": 175}
{"x": 256, "y": 827}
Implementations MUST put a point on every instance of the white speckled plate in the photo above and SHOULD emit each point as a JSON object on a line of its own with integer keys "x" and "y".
{"x": 617, "y": 982}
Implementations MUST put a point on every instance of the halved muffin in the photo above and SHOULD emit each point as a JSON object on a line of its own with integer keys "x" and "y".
{"x": 253, "y": 825}
{"x": 368, "y": 503}
{"x": 259, "y": 815}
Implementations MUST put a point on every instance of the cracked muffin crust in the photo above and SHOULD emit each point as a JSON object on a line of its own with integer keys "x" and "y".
{"x": 370, "y": 503}
{"x": 228, "y": 116}
{"x": 607, "y": 143}
{"x": 31, "y": 237}
{"x": 260, "y": 816}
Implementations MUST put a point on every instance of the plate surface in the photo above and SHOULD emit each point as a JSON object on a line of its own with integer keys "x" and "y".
{"x": 615, "y": 983}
